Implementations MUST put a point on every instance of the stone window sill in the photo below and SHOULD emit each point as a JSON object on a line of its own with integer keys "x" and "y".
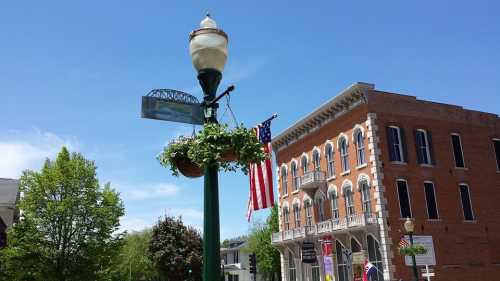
{"x": 333, "y": 177}
{"x": 361, "y": 166}
{"x": 295, "y": 191}
{"x": 427, "y": 165}
{"x": 399, "y": 163}
{"x": 345, "y": 173}
{"x": 462, "y": 168}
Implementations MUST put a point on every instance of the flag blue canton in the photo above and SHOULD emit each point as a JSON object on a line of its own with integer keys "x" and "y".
{"x": 265, "y": 132}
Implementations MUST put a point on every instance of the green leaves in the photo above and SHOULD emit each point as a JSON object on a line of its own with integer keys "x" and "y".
{"x": 176, "y": 250}
{"x": 210, "y": 146}
{"x": 413, "y": 250}
{"x": 68, "y": 223}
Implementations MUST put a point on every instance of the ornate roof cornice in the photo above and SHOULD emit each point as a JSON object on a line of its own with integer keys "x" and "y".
{"x": 349, "y": 98}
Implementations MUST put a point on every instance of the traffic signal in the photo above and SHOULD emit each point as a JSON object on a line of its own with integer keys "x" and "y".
{"x": 253, "y": 263}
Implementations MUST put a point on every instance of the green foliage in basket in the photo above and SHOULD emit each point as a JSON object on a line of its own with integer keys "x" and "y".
{"x": 209, "y": 146}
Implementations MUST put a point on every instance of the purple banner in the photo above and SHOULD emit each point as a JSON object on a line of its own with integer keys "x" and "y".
{"x": 328, "y": 262}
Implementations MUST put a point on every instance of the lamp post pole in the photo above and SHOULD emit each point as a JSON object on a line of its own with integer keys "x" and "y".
{"x": 208, "y": 50}
{"x": 410, "y": 228}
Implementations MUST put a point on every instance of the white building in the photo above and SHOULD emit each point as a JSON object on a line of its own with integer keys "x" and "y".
{"x": 236, "y": 262}
{"x": 9, "y": 194}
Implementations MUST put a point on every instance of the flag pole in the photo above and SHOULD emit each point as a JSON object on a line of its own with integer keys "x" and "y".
{"x": 270, "y": 118}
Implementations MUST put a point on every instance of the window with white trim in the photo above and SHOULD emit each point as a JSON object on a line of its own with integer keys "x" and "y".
{"x": 404, "y": 198}
{"x": 334, "y": 202}
{"x": 286, "y": 218}
{"x": 365, "y": 197}
{"x": 304, "y": 164}
{"x": 309, "y": 213}
{"x": 320, "y": 202}
{"x": 284, "y": 181}
{"x": 466, "y": 202}
{"x": 292, "y": 273}
{"x": 360, "y": 147}
{"x": 330, "y": 160}
{"x": 349, "y": 201}
{"x": 423, "y": 147}
{"x": 396, "y": 147}
{"x": 458, "y": 153}
{"x": 316, "y": 160}
{"x": 375, "y": 258}
{"x": 430, "y": 200}
{"x": 344, "y": 154}
{"x": 295, "y": 176}
{"x": 496, "y": 148}
{"x": 296, "y": 215}
{"x": 342, "y": 267}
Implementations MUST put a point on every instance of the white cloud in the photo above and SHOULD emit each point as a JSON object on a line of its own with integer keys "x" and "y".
{"x": 139, "y": 221}
{"x": 21, "y": 151}
{"x": 147, "y": 191}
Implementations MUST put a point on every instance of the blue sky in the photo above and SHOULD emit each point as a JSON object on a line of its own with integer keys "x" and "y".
{"x": 72, "y": 73}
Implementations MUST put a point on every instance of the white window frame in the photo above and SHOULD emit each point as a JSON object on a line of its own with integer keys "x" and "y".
{"x": 427, "y": 147}
{"x": 296, "y": 215}
{"x": 350, "y": 207}
{"x": 461, "y": 150}
{"x": 284, "y": 180}
{"x": 320, "y": 202}
{"x": 435, "y": 201}
{"x": 295, "y": 176}
{"x": 308, "y": 209}
{"x": 399, "y": 199}
{"x": 399, "y": 145}
{"x": 334, "y": 207}
{"x": 316, "y": 160}
{"x": 470, "y": 202}
{"x": 306, "y": 166}
{"x": 286, "y": 218}
{"x": 330, "y": 160}
{"x": 344, "y": 157}
{"x": 359, "y": 141}
{"x": 365, "y": 201}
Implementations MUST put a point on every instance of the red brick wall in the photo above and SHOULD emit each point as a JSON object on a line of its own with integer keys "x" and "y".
{"x": 464, "y": 250}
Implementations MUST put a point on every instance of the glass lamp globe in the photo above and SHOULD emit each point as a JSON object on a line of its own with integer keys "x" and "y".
{"x": 409, "y": 226}
{"x": 208, "y": 46}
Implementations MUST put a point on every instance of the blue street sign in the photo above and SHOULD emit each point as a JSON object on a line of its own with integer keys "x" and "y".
{"x": 169, "y": 110}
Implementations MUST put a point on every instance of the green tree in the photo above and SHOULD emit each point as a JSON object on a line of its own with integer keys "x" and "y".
{"x": 133, "y": 262}
{"x": 67, "y": 225}
{"x": 259, "y": 242}
{"x": 176, "y": 250}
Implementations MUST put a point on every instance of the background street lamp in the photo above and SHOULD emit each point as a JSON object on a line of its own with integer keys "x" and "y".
{"x": 409, "y": 228}
{"x": 208, "y": 50}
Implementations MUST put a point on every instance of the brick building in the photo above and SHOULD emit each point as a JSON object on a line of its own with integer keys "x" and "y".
{"x": 351, "y": 171}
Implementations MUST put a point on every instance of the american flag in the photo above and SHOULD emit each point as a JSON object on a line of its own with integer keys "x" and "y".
{"x": 261, "y": 174}
{"x": 403, "y": 243}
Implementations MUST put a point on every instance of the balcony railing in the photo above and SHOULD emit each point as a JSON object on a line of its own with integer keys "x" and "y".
{"x": 324, "y": 227}
{"x": 311, "y": 181}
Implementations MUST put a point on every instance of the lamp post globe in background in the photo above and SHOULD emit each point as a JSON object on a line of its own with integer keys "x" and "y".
{"x": 208, "y": 50}
{"x": 410, "y": 228}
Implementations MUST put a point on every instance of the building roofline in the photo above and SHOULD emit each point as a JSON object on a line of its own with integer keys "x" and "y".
{"x": 327, "y": 111}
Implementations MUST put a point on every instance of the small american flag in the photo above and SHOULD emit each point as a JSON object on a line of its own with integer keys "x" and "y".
{"x": 261, "y": 174}
{"x": 403, "y": 243}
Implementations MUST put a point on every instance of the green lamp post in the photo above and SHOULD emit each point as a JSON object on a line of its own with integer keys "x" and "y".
{"x": 410, "y": 228}
{"x": 208, "y": 50}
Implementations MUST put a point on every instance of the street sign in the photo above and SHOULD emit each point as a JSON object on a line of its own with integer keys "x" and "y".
{"x": 308, "y": 252}
{"x": 172, "y": 105}
{"x": 427, "y": 259}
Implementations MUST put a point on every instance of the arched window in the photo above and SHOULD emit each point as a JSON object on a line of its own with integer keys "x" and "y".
{"x": 360, "y": 147}
{"x": 286, "y": 218}
{"x": 316, "y": 160}
{"x": 304, "y": 164}
{"x": 292, "y": 274}
{"x": 296, "y": 215}
{"x": 309, "y": 213}
{"x": 284, "y": 182}
{"x": 330, "y": 160}
{"x": 341, "y": 252}
{"x": 349, "y": 201}
{"x": 334, "y": 202}
{"x": 365, "y": 197}
{"x": 295, "y": 176}
{"x": 320, "y": 202}
{"x": 344, "y": 154}
{"x": 375, "y": 257}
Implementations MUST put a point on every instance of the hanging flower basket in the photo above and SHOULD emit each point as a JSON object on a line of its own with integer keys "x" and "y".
{"x": 188, "y": 168}
{"x": 215, "y": 145}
